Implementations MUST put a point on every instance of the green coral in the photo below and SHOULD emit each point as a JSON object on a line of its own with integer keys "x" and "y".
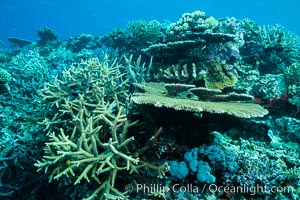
{"x": 88, "y": 132}
{"x": 85, "y": 155}
{"x": 31, "y": 65}
{"x": 293, "y": 173}
{"x": 144, "y": 32}
{"x": 103, "y": 80}
{"x": 292, "y": 74}
{"x": 218, "y": 76}
{"x": 4, "y": 76}
{"x": 271, "y": 48}
{"x": 272, "y": 37}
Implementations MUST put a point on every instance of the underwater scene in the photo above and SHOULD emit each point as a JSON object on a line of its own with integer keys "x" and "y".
{"x": 194, "y": 104}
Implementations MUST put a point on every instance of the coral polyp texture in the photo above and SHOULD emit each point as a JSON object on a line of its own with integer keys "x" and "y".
{"x": 196, "y": 102}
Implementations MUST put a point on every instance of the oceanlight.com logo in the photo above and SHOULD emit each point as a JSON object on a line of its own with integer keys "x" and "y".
{"x": 251, "y": 190}
{"x": 191, "y": 188}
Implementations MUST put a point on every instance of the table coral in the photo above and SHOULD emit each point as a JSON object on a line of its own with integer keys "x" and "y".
{"x": 155, "y": 95}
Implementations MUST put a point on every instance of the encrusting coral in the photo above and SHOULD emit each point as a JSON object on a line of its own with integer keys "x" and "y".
{"x": 88, "y": 138}
{"x": 219, "y": 76}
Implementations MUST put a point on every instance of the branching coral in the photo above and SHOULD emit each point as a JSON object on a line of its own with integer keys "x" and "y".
{"x": 292, "y": 74}
{"x": 144, "y": 32}
{"x": 95, "y": 78}
{"x": 4, "y": 76}
{"x": 88, "y": 132}
{"x": 272, "y": 48}
{"x": 30, "y": 64}
{"x": 136, "y": 70}
{"x": 276, "y": 37}
{"x": 87, "y": 154}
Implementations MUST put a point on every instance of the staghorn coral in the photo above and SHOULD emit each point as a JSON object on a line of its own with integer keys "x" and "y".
{"x": 31, "y": 65}
{"x": 137, "y": 71}
{"x": 4, "y": 76}
{"x": 102, "y": 79}
{"x": 155, "y": 95}
{"x": 88, "y": 130}
{"x": 271, "y": 48}
{"x": 84, "y": 154}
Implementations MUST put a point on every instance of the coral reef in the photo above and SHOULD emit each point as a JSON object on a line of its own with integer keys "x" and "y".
{"x": 79, "y": 154}
{"x": 292, "y": 75}
{"x": 144, "y": 32}
{"x": 270, "y": 48}
{"x": 19, "y": 42}
{"x": 191, "y": 22}
{"x": 30, "y": 64}
{"x": 46, "y": 35}
{"x": 219, "y": 76}
{"x": 181, "y": 74}
{"x": 4, "y": 76}
{"x": 178, "y": 170}
{"x": 88, "y": 132}
{"x": 198, "y": 102}
{"x": 83, "y": 41}
{"x": 154, "y": 95}
{"x": 136, "y": 36}
{"x": 289, "y": 128}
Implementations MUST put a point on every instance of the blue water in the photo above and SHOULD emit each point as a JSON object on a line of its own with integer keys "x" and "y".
{"x": 21, "y": 18}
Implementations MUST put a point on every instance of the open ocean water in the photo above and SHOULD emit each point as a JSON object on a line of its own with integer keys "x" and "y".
{"x": 21, "y": 18}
